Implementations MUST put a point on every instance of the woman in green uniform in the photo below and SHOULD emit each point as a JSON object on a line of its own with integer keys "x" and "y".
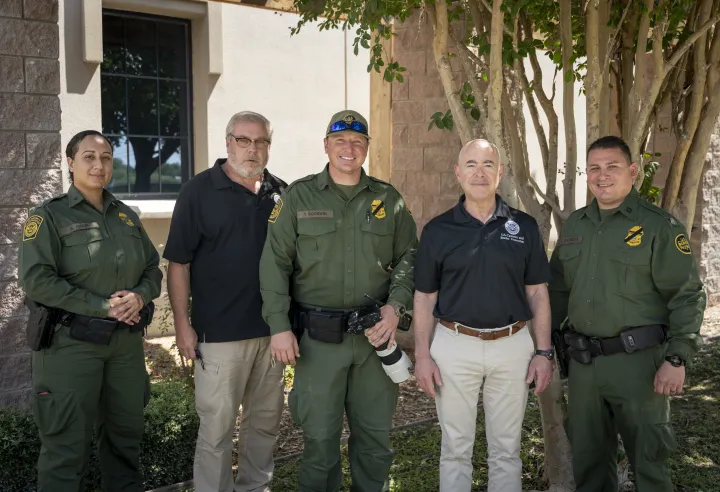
{"x": 86, "y": 257}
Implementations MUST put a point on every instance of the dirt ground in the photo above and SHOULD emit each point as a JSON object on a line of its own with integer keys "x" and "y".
{"x": 164, "y": 362}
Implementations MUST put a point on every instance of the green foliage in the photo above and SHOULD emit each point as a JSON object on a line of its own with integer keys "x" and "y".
{"x": 647, "y": 190}
{"x": 167, "y": 450}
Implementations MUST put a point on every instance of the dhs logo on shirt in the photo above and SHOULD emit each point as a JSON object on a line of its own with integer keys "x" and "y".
{"x": 512, "y": 227}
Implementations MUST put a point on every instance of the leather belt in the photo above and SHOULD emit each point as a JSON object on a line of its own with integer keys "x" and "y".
{"x": 492, "y": 335}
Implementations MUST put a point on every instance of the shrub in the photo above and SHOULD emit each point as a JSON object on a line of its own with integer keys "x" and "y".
{"x": 167, "y": 450}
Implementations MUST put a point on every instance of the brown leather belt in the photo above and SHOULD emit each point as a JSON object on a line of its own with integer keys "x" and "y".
{"x": 493, "y": 335}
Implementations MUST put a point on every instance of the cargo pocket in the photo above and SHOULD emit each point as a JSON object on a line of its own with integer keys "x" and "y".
{"x": 146, "y": 396}
{"x": 56, "y": 413}
{"x": 292, "y": 406}
{"x": 657, "y": 442}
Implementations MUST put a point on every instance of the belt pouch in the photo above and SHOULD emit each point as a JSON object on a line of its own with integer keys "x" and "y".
{"x": 325, "y": 327}
{"x": 577, "y": 341}
{"x": 581, "y": 356}
{"x": 642, "y": 337}
{"x": 96, "y": 330}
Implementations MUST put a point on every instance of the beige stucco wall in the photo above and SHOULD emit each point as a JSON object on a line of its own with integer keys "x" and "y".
{"x": 298, "y": 83}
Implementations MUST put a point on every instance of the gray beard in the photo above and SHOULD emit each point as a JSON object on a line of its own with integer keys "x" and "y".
{"x": 245, "y": 172}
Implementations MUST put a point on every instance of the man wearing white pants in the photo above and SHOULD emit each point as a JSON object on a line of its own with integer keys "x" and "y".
{"x": 481, "y": 270}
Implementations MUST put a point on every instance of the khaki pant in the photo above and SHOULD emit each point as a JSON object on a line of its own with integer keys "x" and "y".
{"x": 237, "y": 374}
{"x": 499, "y": 368}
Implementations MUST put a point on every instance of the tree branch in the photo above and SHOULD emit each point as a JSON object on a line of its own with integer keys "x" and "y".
{"x": 439, "y": 19}
{"x": 677, "y": 53}
{"x": 613, "y": 37}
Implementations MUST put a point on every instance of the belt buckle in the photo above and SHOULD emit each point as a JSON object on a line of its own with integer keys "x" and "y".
{"x": 595, "y": 346}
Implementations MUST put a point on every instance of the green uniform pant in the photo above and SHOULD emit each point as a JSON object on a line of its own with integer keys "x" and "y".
{"x": 330, "y": 378}
{"x": 78, "y": 385}
{"x": 616, "y": 394}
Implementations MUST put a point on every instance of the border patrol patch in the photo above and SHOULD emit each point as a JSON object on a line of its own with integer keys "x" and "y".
{"x": 126, "y": 220}
{"x": 377, "y": 208}
{"x": 634, "y": 236}
{"x": 682, "y": 244}
{"x": 32, "y": 227}
{"x": 276, "y": 211}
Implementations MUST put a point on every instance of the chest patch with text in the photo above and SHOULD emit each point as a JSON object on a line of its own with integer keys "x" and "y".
{"x": 315, "y": 214}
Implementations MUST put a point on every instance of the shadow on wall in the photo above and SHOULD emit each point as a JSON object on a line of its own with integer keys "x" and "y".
{"x": 78, "y": 74}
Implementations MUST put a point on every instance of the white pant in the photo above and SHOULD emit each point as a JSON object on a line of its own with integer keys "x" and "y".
{"x": 500, "y": 368}
{"x": 237, "y": 374}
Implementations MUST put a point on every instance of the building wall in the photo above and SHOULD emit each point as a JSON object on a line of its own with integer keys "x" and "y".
{"x": 296, "y": 82}
{"x": 29, "y": 163}
{"x": 422, "y": 160}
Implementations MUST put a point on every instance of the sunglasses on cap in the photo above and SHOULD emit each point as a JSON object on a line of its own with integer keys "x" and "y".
{"x": 340, "y": 126}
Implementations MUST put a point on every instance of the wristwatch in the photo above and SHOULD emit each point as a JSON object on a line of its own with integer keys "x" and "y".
{"x": 675, "y": 360}
{"x": 550, "y": 354}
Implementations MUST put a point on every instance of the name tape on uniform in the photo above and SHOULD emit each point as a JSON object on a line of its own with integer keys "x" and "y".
{"x": 80, "y": 226}
{"x": 313, "y": 214}
{"x": 276, "y": 211}
{"x": 570, "y": 240}
{"x": 32, "y": 227}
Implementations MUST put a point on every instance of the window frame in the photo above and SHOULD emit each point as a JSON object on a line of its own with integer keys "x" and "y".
{"x": 186, "y": 172}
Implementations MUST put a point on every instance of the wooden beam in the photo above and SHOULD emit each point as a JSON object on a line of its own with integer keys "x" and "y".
{"x": 381, "y": 122}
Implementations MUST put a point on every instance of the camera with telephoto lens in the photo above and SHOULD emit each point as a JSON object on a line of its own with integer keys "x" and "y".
{"x": 395, "y": 362}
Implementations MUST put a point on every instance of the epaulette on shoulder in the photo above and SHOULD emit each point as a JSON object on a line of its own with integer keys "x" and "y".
{"x": 378, "y": 180}
{"x": 50, "y": 200}
{"x": 669, "y": 218}
{"x": 576, "y": 213}
{"x": 305, "y": 179}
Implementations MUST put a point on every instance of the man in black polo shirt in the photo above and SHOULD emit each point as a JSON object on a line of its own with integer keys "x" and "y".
{"x": 481, "y": 270}
{"x": 216, "y": 238}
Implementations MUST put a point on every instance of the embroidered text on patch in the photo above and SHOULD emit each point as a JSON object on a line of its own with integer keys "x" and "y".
{"x": 276, "y": 211}
{"x": 32, "y": 227}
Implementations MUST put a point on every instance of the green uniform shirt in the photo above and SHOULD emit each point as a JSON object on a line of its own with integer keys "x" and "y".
{"x": 75, "y": 257}
{"x": 633, "y": 268}
{"x": 327, "y": 250}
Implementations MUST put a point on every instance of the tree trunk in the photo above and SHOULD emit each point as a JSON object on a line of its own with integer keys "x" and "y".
{"x": 569, "y": 107}
{"x": 558, "y": 455}
{"x": 685, "y": 207}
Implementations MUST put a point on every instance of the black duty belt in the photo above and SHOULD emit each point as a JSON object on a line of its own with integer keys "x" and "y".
{"x": 337, "y": 318}
{"x": 629, "y": 341}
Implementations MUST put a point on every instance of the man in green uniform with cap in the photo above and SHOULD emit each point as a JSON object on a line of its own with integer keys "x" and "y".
{"x": 625, "y": 278}
{"x": 333, "y": 239}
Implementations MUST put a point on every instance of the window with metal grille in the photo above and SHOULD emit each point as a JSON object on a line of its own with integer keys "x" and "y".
{"x": 146, "y": 103}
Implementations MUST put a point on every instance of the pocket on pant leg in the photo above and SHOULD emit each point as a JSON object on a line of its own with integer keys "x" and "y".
{"x": 656, "y": 442}
{"x": 146, "y": 396}
{"x": 207, "y": 384}
{"x": 56, "y": 413}
{"x": 292, "y": 406}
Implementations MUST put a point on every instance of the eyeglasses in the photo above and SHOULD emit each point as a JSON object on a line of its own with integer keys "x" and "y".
{"x": 244, "y": 142}
{"x": 340, "y": 126}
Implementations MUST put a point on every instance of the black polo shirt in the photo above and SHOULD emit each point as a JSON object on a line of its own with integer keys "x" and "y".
{"x": 480, "y": 270}
{"x": 219, "y": 227}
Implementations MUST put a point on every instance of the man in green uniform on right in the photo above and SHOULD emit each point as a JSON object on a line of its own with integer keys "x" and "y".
{"x": 336, "y": 240}
{"x": 624, "y": 276}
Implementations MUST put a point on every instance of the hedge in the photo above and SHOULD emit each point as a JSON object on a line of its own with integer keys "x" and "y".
{"x": 167, "y": 452}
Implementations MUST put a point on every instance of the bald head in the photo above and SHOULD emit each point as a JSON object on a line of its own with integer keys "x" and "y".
{"x": 479, "y": 169}
{"x": 478, "y": 147}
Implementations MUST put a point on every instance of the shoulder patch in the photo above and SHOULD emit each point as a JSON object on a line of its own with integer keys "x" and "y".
{"x": 682, "y": 244}
{"x": 276, "y": 211}
{"x": 32, "y": 227}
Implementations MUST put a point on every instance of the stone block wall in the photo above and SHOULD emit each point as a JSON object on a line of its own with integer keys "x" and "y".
{"x": 30, "y": 157}
{"x": 422, "y": 160}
